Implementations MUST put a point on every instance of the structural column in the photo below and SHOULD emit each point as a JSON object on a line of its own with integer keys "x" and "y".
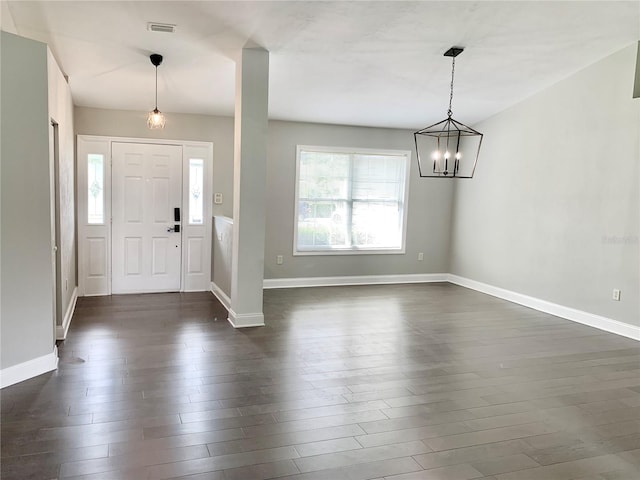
{"x": 249, "y": 180}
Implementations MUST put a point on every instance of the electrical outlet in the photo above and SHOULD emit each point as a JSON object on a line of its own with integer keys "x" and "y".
{"x": 279, "y": 260}
{"x": 420, "y": 256}
{"x": 217, "y": 198}
{"x": 616, "y": 294}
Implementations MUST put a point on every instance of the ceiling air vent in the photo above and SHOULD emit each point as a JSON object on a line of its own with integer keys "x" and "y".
{"x": 161, "y": 27}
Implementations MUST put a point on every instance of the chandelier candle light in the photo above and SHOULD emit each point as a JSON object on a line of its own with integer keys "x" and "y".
{"x": 448, "y": 149}
{"x": 156, "y": 118}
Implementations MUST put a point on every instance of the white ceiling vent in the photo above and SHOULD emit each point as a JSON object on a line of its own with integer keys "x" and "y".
{"x": 161, "y": 27}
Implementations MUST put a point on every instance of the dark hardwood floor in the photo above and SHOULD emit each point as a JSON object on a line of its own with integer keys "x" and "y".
{"x": 400, "y": 382}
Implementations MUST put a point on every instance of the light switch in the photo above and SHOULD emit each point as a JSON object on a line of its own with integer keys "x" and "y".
{"x": 217, "y": 198}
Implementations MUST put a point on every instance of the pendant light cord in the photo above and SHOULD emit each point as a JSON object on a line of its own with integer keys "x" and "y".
{"x": 453, "y": 69}
{"x": 157, "y": 89}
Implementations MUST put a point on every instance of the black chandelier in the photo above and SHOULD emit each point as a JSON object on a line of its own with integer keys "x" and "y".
{"x": 448, "y": 149}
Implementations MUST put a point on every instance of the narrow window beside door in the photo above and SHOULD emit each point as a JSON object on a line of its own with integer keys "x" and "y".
{"x": 196, "y": 185}
{"x": 95, "y": 189}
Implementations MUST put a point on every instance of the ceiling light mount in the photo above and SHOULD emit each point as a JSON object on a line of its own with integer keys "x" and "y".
{"x": 449, "y": 148}
{"x": 156, "y": 119}
{"x": 454, "y": 52}
{"x": 156, "y": 59}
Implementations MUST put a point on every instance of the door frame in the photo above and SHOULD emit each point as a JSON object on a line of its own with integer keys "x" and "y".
{"x": 54, "y": 179}
{"x": 94, "y": 240}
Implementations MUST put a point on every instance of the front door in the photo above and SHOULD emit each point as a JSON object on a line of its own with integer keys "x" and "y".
{"x": 146, "y": 191}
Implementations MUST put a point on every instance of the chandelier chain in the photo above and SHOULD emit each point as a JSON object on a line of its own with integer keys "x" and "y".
{"x": 453, "y": 69}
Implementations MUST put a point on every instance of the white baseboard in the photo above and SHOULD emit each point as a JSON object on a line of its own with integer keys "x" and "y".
{"x": 244, "y": 320}
{"x": 579, "y": 316}
{"x": 61, "y": 330}
{"x": 237, "y": 320}
{"x": 221, "y": 296}
{"x": 29, "y": 369}
{"x": 354, "y": 280}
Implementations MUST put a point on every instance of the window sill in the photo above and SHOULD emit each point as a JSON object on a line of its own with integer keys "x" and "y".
{"x": 378, "y": 251}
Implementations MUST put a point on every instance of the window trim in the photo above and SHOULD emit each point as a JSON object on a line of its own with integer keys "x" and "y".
{"x": 352, "y": 250}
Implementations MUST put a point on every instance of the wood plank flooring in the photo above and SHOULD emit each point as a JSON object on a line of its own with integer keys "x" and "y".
{"x": 401, "y": 382}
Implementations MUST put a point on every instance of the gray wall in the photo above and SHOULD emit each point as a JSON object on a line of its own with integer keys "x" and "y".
{"x": 429, "y": 202}
{"x": 553, "y": 209}
{"x": 202, "y": 128}
{"x": 428, "y": 215}
{"x": 26, "y": 285}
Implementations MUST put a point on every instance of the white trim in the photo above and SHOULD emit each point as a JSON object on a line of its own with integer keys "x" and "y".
{"x": 157, "y": 141}
{"x": 350, "y": 251}
{"x": 354, "y": 280}
{"x": 61, "y": 330}
{"x": 568, "y": 313}
{"x": 228, "y": 220}
{"x": 244, "y": 320}
{"x": 90, "y": 285}
{"x": 579, "y": 316}
{"x": 143, "y": 291}
{"x": 221, "y": 296}
{"x": 200, "y": 234}
{"x": 29, "y": 369}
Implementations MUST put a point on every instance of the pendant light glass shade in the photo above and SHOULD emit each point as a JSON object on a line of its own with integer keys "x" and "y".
{"x": 156, "y": 119}
{"x": 449, "y": 148}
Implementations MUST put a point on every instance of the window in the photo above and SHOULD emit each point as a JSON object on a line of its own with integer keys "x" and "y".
{"x": 95, "y": 189}
{"x": 196, "y": 186}
{"x": 350, "y": 200}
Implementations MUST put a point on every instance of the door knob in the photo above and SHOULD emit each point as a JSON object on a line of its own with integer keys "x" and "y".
{"x": 175, "y": 229}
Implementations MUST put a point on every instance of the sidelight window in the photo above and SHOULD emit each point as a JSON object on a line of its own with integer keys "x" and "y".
{"x": 196, "y": 187}
{"x": 95, "y": 189}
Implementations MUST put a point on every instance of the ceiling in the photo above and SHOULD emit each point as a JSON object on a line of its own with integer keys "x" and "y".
{"x": 374, "y": 63}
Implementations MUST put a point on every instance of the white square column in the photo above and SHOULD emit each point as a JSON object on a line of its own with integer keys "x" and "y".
{"x": 249, "y": 183}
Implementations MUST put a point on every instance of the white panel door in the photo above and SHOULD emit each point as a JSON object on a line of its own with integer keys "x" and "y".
{"x": 146, "y": 188}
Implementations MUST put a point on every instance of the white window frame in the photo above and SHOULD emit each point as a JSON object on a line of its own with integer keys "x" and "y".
{"x": 353, "y": 250}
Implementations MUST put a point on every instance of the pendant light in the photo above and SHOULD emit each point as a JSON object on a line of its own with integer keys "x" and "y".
{"x": 448, "y": 149}
{"x": 156, "y": 118}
